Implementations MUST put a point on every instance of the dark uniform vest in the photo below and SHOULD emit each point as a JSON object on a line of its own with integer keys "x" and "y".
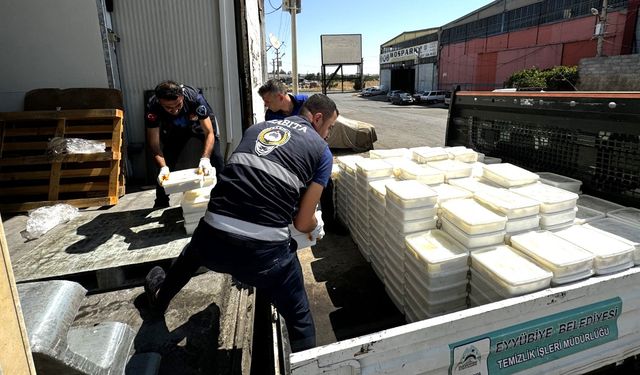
{"x": 265, "y": 177}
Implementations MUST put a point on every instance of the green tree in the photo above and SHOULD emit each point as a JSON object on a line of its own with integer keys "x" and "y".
{"x": 527, "y": 78}
{"x": 561, "y": 78}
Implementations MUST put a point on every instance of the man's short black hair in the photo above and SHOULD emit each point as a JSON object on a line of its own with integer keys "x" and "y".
{"x": 272, "y": 86}
{"x": 320, "y": 103}
{"x": 169, "y": 90}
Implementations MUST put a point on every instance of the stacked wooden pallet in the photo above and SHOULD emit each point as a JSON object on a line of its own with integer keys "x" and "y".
{"x": 32, "y": 177}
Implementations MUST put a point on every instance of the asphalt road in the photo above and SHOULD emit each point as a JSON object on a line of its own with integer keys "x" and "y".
{"x": 396, "y": 125}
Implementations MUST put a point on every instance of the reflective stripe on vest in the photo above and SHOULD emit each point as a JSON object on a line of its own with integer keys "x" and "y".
{"x": 245, "y": 228}
{"x": 267, "y": 166}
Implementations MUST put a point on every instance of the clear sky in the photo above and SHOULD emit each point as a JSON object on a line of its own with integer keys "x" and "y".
{"x": 378, "y": 21}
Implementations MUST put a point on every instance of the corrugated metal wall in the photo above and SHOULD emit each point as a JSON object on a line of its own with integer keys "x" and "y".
{"x": 165, "y": 39}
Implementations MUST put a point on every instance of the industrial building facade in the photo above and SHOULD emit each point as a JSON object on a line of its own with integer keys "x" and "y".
{"x": 482, "y": 49}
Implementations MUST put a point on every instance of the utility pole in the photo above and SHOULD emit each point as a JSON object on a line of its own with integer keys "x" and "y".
{"x": 294, "y": 7}
{"x": 602, "y": 21}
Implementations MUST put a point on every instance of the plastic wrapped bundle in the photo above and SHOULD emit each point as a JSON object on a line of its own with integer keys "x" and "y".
{"x": 59, "y": 145}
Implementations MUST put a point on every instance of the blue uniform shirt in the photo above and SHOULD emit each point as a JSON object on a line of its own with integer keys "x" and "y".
{"x": 298, "y": 100}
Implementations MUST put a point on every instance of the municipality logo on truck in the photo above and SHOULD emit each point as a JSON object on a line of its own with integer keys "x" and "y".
{"x": 470, "y": 359}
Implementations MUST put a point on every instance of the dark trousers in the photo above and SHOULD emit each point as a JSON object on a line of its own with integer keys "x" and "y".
{"x": 172, "y": 147}
{"x": 272, "y": 268}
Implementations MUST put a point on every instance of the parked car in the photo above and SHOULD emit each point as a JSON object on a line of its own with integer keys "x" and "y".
{"x": 418, "y": 94}
{"x": 392, "y": 93}
{"x": 433, "y": 97}
{"x": 402, "y": 98}
{"x": 372, "y": 91}
{"x": 447, "y": 98}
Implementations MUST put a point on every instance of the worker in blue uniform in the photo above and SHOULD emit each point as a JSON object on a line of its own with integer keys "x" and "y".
{"x": 275, "y": 177}
{"x": 279, "y": 103}
{"x": 174, "y": 115}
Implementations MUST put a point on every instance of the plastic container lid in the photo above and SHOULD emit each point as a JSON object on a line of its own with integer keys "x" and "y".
{"x": 512, "y": 273}
{"x": 586, "y": 215}
{"x": 378, "y": 189}
{"x": 447, "y": 192}
{"x": 611, "y": 254}
{"x": 373, "y": 168}
{"x": 556, "y": 218}
{"x": 567, "y": 261}
{"x": 405, "y": 214}
{"x": 472, "y": 184}
{"x": 597, "y": 203}
{"x": 560, "y": 181}
{"x": 477, "y": 169}
{"x": 411, "y": 193}
{"x": 421, "y": 173}
{"x": 463, "y": 154}
{"x": 183, "y": 180}
{"x": 348, "y": 163}
{"x": 552, "y": 199}
{"x": 621, "y": 230}
{"x": 437, "y": 251}
{"x": 452, "y": 168}
{"x": 629, "y": 215}
{"x": 522, "y": 224}
{"x": 508, "y": 203}
{"x": 509, "y": 175}
{"x": 389, "y": 153}
{"x": 427, "y": 154}
{"x": 472, "y": 242}
{"x": 472, "y": 217}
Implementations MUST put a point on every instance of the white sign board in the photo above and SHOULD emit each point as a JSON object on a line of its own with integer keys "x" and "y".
{"x": 341, "y": 49}
{"x": 424, "y": 50}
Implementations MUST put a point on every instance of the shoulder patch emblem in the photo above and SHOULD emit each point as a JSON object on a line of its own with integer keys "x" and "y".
{"x": 152, "y": 117}
{"x": 202, "y": 110}
{"x": 271, "y": 138}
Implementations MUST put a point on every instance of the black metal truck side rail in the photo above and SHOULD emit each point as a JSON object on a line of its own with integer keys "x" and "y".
{"x": 590, "y": 136}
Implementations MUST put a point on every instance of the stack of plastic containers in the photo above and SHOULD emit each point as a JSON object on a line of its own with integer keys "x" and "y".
{"x": 367, "y": 170}
{"x": 560, "y": 181}
{"x": 409, "y": 208}
{"x": 452, "y": 168}
{"x": 508, "y": 175}
{"x": 629, "y": 215}
{"x": 621, "y": 230}
{"x": 420, "y": 173}
{"x": 377, "y": 198}
{"x": 436, "y": 268}
{"x": 472, "y": 224}
{"x": 463, "y": 154}
{"x": 565, "y": 260}
{"x": 389, "y": 153}
{"x": 425, "y": 155}
{"x": 194, "y": 205}
{"x": 500, "y": 272}
{"x": 347, "y": 189}
{"x": 611, "y": 254}
{"x": 597, "y": 204}
{"x": 521, "y": 212}
{"x": 557, "y": 206}
{"x": 448, "y": 192}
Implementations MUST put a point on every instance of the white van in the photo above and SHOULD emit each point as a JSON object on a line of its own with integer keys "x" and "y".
{"x": 433, "y": 97}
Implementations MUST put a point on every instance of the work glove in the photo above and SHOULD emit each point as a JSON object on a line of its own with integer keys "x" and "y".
{"x": 205, "y": 167}
{"x": 318, "y": 232}
{"x": 163, "y": 175}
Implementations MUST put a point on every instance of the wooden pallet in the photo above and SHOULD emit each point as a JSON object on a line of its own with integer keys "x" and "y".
{"x": 31, "y": 178}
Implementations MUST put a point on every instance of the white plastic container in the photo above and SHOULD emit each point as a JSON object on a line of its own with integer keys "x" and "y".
{"x": 585, "y": 215}
{"x": 373, "y": 168}
{"x": 508, "y": 203}
{"x": 622, "y": 230}
{"x": 509, "y": 175}
{"x": 629, "y": 215}
{"x": 485, "y": 288}
{"x": 389, "y": 153}
{"x": 463, "y": 154}
{"x": 427, "y": 154}
{"x": 183, "y": 180}
{"x": 567, "y": 261}
{"x": 378, "y": 189}
{"x": 475, "y": 241}
{"x": 195, "y": 200}
{"x": 406, "y": 214}
{"x": 411, "y": 226}
{"x": 437, "y": 251}
{"x": 513, "y": 274}
{"x": 411, "y": 193}
{"x": 477, "y": 169}
{"x": 447, "y": 192}
{"x": 348, "y": 163}
{"x": 472, "y": 184}
{"x": 452, "y": 168}
{"x": 560, "y": 181}
{"x": 397, "y": 163}
{"x": 556, "y": 218}
{"x": 557, "y": 227}
{"x": 611, "y": 254}
{"x": 597, "y": 204}
{"x": 522, "y": 224}
{"x": 552, "y": 199}
{"x": 435, "y": 280}
{"x": 472, "y": 217}
{"x": 426, "y": 295}
{"x": 421, "y": 173}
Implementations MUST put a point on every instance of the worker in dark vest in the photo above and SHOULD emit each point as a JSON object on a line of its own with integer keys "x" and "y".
{"x": 174, "y": 115}
{"x": 279, "y": 103}
{"x": 275, "y": 177}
